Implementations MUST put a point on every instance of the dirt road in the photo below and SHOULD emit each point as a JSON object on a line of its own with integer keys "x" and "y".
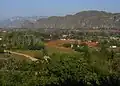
{"x": 21, "y": 54}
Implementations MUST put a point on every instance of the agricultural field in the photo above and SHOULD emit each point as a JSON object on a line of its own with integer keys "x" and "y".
{"x": 57, "y": 45}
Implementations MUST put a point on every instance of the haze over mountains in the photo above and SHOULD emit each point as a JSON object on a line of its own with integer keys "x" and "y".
{"x": 18, "y": 21}
{"x": 84, "y": 19}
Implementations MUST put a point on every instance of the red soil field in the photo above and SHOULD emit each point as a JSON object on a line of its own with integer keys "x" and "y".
{"x": 59, "y": 43}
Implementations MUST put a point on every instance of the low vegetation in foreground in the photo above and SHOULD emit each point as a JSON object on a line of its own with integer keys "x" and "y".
{"x": 88, "y": 68}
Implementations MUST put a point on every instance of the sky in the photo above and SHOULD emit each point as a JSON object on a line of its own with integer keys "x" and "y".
{"x": 11, "y": 8}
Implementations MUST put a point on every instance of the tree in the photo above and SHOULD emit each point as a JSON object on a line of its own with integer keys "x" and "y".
{"x": 44, "y": 51}
{"x": 37, "y": 46}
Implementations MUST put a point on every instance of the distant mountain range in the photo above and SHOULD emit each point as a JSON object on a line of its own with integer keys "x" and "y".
{"x": 84, "y": 19}
{"x": 19, "y": 22}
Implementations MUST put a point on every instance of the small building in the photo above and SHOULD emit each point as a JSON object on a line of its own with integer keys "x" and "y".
{"x": 113, "y": 47}
{"x": 78, "y": 45}
{"x": 62, "y": 39}
{"x": 4, "y": 31}
{"x": 90, "y": 44}
{"x": 64, "y": 35}
{"x": 0, "y": 38}
{"x": 71, "y": 45}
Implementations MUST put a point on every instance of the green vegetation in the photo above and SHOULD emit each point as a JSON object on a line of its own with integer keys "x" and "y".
{"x": 68, "y": 45}
{"x": 37, "y": 46}
{"x": 65, "y": 70}
{"x": 79, "y": 65}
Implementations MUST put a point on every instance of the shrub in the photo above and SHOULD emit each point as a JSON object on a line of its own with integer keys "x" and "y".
{"x": 37, "y": 46}
{"x": 67, "y": 45}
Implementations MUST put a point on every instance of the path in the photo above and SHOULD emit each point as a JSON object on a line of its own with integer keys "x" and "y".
{"x": 21, "y": 54}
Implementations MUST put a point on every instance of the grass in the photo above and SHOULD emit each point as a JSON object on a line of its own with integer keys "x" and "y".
{"x": 99, "y": 61}
{"x": 50, "y": 49}
{"x": 18, "y": 57}
{"x": 96, "y": 60}
{"x": 33, "y": 53}
{"x": 2, "y": 55}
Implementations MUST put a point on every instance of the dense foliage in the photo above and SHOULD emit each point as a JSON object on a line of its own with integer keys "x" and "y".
{"x": 37, "y": 46}
{"x": 89, "y": 66}
{"x": 64, "y": 70}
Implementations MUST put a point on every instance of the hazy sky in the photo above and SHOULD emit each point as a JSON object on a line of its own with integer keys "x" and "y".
{"x": 10, "y": 8}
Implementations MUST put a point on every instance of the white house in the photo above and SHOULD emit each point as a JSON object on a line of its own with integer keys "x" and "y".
{"x": 62, "y": 39}
{"x": 113, "y": 46}
{"x": 71, "y": 45}
{"x": 78, "y": 46}
{"x": 64, "y": 35}
{"x": 4, "y": 31}
{"x": 0, "y": 38}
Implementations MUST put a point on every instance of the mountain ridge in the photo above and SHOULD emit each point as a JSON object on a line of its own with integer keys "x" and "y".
{"x": 83, "y": 19}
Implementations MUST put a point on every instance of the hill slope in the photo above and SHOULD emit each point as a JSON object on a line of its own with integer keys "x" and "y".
{"x": 84, "y": 19}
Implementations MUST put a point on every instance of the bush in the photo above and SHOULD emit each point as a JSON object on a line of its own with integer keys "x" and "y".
{"x": 67, "y": 45}
{"x": 37, "y": 46}
{"x": 81, "y": 48}
{"x": 68, "y": 70}
{"x": 1, "y": 50}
